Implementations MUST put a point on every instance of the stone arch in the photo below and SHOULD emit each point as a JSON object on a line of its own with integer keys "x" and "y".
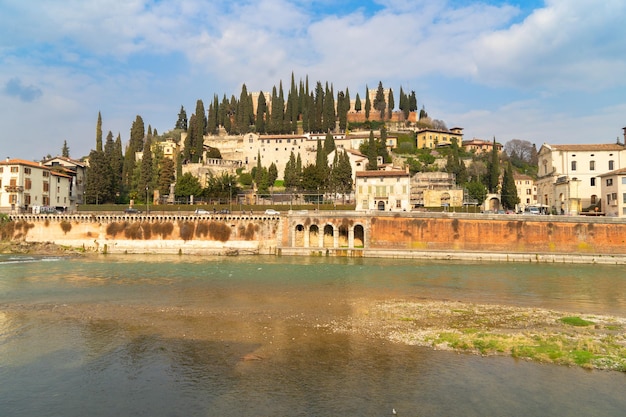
{"x": 298, "y": 236}
{"x": 343, "y": 232}
{"x": 314, "y": 236}
{"x": 359, "y": 236}
{"x": 380, "y": 206}
{"x": 329, "y": 236}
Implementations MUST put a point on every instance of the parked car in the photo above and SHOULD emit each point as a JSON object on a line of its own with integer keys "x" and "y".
{"x": 202, "y": 211}
{"x": 272, "y": 212}
{"x": 131, "y": 210}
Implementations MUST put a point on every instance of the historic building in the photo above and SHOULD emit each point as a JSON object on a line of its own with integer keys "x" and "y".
{"x": 27, "y": 186}
{"x": 383, "y": 190}
{"x": 568, "y": 177}
{"x": 431, "y": 138}
{"x": 613, "y": 186}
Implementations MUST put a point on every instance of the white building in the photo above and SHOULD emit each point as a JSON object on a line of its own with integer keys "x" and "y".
{"x": 27, "y": 184}
{"x": 383, "y": 190}
{"x": 613, "y": 186}
{"x": 526, "y": 191}
{"x": 568, "y": 177}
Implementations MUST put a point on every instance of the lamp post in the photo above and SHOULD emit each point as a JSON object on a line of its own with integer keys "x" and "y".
{"x": 230, "y": 197}
{"x": 318, "y": 199}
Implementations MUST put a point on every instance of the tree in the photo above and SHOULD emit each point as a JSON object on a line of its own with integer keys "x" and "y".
{"x": 391, "y": 104}
{"x": 65, "y": 151}
{"x": 357, "y": 103}
{"x": 187, "y": 185}
{"x": 166, "y": 177}
{"x": 329, "y": 143}
{"x": 290, "y": 175}
{"x": 146, "y": 174}
{"x": 261, "y": 111}
{"x": 372, "y": 154}
{"x": 99, "y": 133}
{"x": 341, "y": 173}
{"x": 379, "y": 100}
{"x": 509, "y": 197}
{"x": 368, "y": 104}
{"x": 493, "y": 169}
{"x": 412, "y": 102}
{"x": 476, "y": 191}
{"x": 181, "y": 123}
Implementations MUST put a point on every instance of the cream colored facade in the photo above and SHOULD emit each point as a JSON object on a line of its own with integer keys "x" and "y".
{"x": 435, "y": 189}
{"x": 431, "y": 138}
{"x": 383, "y": 190}
{"x": 77, "y": 170}
{"x": 480, "y": 146}
{"x": 568, "y": 177}
{"x": 613, "y": 186}
{"x": 526, "y": 191}
{"x": 26, "y": 184}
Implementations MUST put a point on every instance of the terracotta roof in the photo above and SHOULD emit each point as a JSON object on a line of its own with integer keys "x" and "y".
{"x": 621, "y": 171}
{"x": 382, "y": 174}
{"x": 22, "y": 162}
{"x": 589, "y": 147}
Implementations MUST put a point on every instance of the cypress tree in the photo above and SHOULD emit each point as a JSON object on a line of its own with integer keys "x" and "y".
{"x": 261, "y": 111}
{"x": 146, "y": 173}
{"x": 99, "y": 133}
{"x": 493, "y": 170}
{"x": 357, "y": 103}
{"x": 509, "y": 195}
{"x": 368, "y": 104}
{"x": 181, "y": 123}
{"x": 65, "y": 151}
{"x": 412, "y": 102}
{"x": 391, "y": 105}
{"x": 199, "y": 131}
{"x": 379, "y": 101}
{"x": 372, "y": 154}
{"x": 329, "y": 143}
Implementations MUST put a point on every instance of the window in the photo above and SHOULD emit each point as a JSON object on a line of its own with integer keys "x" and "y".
{"x": 27, "y": 199}
{"x": 27, "y": 171}
{"x": 624, "y": 180}
{"x": 46, "y": 187}
{"x": 15, "y": 169}
{"x": 624, "y": 198}
{"x": 573, "y": 165}
{"x": 609, "y": 181}
{"x": 593, "y": 182}
{"x": 592, "y": 165}
{"x": 398, "y": 204}
{"x": 46, "y": 174}
{"x": 1, "y": 170}
{"x": 528, "y": 192}
{"x": 611, "y": 165}
{"x": 28, "y": 184}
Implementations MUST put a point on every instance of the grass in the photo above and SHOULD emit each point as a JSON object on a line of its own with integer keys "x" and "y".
{"x": 576, "y": 321}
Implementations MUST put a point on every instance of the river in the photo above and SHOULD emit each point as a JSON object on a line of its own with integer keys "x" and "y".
{"x": 252, "y": 336}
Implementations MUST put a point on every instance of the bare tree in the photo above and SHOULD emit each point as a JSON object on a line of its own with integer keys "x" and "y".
{"x": 519, "y": 151}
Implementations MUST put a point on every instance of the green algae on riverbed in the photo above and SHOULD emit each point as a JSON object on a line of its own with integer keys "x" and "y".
{"x": 589, "y": 341}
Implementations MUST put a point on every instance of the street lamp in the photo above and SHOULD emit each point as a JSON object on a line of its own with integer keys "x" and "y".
{"x": 318, "y": 199}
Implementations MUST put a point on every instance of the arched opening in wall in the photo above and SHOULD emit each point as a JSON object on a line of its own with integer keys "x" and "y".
{"x": 380, "y": 206}
{"x": 494, "y": 204}
{"x": 343, "y": 236}
{"x": 359, "y": 236}
{"x": 314, "y": 236}
{"x": 329, "y": 236}
{"x": 299, "y": 236}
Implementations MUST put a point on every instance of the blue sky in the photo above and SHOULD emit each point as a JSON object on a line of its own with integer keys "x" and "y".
{"x": 544, "y": 71}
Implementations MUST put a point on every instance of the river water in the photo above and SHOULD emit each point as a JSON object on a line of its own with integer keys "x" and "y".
{"x": 250, "y": 336}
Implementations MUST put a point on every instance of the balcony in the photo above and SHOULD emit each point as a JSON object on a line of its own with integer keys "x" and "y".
{"x": 13, "y": 188}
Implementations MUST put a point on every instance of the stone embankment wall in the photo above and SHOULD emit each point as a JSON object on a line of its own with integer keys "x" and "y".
{"x": 337, "y": 233}
{"x": 212, "y": 234}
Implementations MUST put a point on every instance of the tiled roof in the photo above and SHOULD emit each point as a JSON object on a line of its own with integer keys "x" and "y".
{"x": 589, "y": 147}
{"x": 621, "y": 171}
{"x": 22, "y": 162}
{"x": 395, "y": 173}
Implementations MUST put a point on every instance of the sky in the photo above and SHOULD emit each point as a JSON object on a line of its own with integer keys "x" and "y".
{"x": 551, "y": 71}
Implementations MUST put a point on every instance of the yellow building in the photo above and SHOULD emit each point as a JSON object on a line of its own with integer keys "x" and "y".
{"x": 431, "y": 138}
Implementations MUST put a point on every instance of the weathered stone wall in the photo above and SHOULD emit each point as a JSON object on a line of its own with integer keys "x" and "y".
{"x": 223, "y": 234}
{"x": 525, "y": 235}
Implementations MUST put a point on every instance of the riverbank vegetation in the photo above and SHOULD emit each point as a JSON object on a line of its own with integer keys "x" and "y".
{"x": 589, "y": 341}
